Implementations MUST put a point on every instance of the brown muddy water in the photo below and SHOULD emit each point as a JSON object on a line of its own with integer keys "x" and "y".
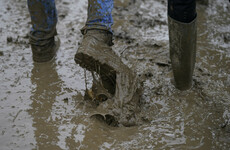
{"x": 43, "y": 106}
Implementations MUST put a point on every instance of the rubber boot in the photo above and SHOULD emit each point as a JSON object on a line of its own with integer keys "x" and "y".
{"x": 95, "y": 54}
{"x": 47, "y": 52}
{"x": 182, "y": 39}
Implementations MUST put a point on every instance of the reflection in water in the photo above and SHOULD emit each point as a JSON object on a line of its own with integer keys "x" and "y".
{"x": 47, "y": 85}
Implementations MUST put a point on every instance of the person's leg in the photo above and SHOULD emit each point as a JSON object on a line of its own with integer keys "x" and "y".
{"x": 182, "y": 40}
{"x": 99, "y": 15}
{"x": 95, "y": 52}
{"x": 43, "y": 18}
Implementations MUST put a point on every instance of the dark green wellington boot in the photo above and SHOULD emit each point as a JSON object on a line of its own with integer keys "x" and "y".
{"x": 95, "y": 54}
{"x": 47, "y": 52}
{"x": 182, "y": 41}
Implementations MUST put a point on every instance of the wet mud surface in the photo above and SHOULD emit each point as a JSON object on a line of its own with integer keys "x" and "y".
{"x": 43, "y": 106}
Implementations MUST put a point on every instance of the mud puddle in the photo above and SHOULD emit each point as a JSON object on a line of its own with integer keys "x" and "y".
{"x": 43, "y": 106}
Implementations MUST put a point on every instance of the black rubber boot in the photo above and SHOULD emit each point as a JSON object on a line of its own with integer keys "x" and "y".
{"x": 182, "y": 39}
{"x": 47, "y": 52}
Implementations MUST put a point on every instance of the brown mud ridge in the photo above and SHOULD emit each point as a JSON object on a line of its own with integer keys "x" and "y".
{"x": 121, "y": 108}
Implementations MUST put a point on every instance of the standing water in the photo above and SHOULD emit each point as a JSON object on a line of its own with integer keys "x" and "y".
{"x": 43, "y": 106}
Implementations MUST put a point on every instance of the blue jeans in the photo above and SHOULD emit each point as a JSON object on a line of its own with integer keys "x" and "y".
{"x": 44, "y": 18}
{"x": 99, "y": 15}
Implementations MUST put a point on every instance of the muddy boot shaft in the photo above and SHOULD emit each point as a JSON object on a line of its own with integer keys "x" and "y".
{"x": 182, "y": 38}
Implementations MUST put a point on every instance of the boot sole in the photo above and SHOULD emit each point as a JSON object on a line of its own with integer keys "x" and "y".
{"x": 105, "y": 71}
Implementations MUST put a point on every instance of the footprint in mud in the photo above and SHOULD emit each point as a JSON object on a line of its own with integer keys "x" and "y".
{"x": 106, "y": 118}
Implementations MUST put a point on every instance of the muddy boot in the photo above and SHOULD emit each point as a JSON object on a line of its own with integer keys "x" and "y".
{"x": 182, "y": 39}
{"x": 95, "y": 54}
{"x": 45, "y": 53}
{"x": 42, "y": 34}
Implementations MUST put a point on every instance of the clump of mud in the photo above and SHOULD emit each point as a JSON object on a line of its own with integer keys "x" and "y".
{"x": 121, "y": 108}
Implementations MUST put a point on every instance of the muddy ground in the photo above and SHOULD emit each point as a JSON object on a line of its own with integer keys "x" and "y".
{"x": 42, "y": 106}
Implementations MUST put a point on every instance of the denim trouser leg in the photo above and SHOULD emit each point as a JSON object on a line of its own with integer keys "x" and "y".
{"x": 99, "y": 15}
{"x": 182, "y": 10}
{"x": 44, "y": 18}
